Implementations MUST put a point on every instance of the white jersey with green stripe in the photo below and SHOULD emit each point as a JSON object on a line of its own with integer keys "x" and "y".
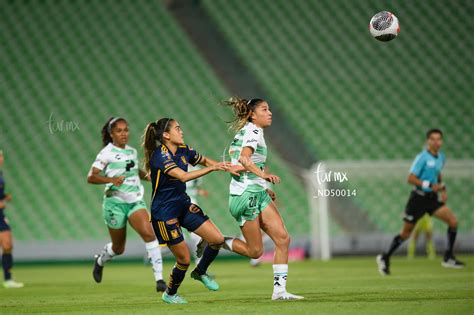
{"x": 249, "y": 136}
{"x": 114, "y": 162}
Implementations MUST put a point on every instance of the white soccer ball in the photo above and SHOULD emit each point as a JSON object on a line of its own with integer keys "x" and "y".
{"x": 384, "y": 26}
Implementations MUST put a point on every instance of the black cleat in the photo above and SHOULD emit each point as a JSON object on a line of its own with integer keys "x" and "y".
{"x": 383, "y": 264}
{"x": 452, "y": 262}
{"x": 97, "y": 272}
{"x": 161, "y": 286}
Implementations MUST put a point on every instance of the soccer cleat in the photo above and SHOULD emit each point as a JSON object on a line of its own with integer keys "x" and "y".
{"x": 161, "y": 286}
{"x": 285, "y": 296}
{"x": 208, "y": 281}
{"x": 12, "y": 284}
{"x": 200, "y": 247}
{"x": 255, "y": 262}
{"x": 98, "y": 269}
{"x": 452, "y": 262}
{"x": 173, "y": 299}
{"x": 383, "y": 265}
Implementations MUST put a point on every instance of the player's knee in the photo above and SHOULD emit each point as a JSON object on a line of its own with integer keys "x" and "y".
{"x": 453, "y": 222}
{"x": 148, "y": 237}
{"x": 7, "y": 248}
{"x": 283, "y": 240}
{"x": 217, "y": 241}
{"x": 183, "y": 259}
{"x": 405, "y": 234}
{"x": 255, "y": 252}
{"x": 118, "y": 249}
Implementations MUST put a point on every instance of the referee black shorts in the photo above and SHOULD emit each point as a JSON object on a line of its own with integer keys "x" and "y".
{"x": 420, "y": 203}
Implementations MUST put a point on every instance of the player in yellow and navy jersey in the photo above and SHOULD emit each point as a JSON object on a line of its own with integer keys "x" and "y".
{"x": 167, "y": 159}
{"x": 425, "y": 176}
{"x": 6, "y": 238}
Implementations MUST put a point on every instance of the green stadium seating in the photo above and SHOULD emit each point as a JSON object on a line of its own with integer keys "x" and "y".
{"x": 82, "y": 62}
{"x": 351, "y": 97}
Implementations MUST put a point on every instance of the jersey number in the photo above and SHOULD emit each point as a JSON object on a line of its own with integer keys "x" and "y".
{"x": 252, "y": 202}
{"x": 129, "y": 165}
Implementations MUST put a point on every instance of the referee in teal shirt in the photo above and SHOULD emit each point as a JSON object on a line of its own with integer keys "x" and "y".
{"x": 425, "y": 176}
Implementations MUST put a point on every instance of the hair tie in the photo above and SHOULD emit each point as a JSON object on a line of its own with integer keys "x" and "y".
{"x": 111, "y": 122}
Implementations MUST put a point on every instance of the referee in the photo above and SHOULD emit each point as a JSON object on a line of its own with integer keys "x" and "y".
{"x": 425, "y": 175}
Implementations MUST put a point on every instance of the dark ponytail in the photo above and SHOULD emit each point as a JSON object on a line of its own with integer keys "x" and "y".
{"x": 107, "y": 129}
{"x": 242, "y": 110}
{"x": 152, "y": 135}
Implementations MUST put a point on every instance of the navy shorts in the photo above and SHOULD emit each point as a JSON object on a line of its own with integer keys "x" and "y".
{"x": 189, "y": 216}
{"x": 3, "y": 223}
{"x": 420, "y": 203}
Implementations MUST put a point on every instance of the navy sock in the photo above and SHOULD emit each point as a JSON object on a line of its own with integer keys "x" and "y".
{"x": 396, "y": 242}
{"x": 207, "y": 258}
{"x": 451, "y": 239}
{"x": 176, "y": 277}
{"x": 7, "y": 263}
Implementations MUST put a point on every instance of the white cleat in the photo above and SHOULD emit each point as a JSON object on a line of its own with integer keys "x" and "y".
{"x": 285, "y": 296}
{"x": 12, "y": 284}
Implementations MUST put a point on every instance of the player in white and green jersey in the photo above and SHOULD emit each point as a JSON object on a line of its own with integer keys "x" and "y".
{"x": 250, "y": 200}
{"x": 116, "y": 166}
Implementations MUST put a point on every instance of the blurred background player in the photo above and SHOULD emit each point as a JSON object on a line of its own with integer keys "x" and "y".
{"x": 250, "y": 200}
{"x": 425, "y": 175}
{"x": 425, "y": 226}
{"x": 6, "y": 238}
{"x": 123, "y": 198}
{"x": 167, "y": 159}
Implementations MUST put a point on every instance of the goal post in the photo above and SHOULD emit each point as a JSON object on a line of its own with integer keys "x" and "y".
{"x": 357, "y": 206}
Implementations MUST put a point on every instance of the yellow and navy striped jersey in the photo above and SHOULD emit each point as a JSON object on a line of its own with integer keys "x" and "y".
{"x": 166, "y": 188}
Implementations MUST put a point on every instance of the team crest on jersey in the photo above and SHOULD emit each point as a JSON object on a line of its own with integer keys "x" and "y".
{"x": 193, "y": 208}
{"x": 174, "y": 234}
{"x": 184, "y": 160}
{"x": 431, "y": 163}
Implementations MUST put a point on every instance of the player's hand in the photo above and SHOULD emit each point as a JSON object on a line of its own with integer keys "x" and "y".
{"x": 117, "y": 181}
{"x": 436, "y": 187}
{"x": 221, "y": 166}
{"x": 272, "y": 194}
{"x": 444, "y": 196}
{"x": 272, "y": 178}
{"x": 235, "y": 170}
{"x": 3, "y": 204}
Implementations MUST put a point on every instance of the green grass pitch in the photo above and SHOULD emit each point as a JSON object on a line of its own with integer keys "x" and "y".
{"x": 341, "y": 286}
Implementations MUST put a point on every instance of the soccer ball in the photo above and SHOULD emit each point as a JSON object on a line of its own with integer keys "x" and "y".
{"x": 384, "y": 26}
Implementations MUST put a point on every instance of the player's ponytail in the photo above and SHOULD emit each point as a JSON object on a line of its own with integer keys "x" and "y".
{"x": 107, "y": 129}
{"x": 242, "y": 109}
{"x": 152, "y": 136}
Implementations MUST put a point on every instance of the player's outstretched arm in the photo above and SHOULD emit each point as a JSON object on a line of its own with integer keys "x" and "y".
{"x": 233, "y": 169}
{"x": 246, "y": 161}
{"x": 187, "y": 176}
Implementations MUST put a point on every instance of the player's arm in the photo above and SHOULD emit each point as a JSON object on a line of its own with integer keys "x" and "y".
{"x": 444, "y": 193}
{"x": 414, "y": 180}
{"x": 246, "y": 161}
{"x": 233, "y": 169}
{"x": 184, "y": 177}
{"x": 94, "y": 177}
{"x": 144, "y": 175}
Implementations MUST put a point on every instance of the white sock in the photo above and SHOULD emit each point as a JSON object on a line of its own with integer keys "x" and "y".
{"x": 280, "y": 272}
{"x": 228, "y": 243}
{"x": 154, "y": 254}
{"x": 106, "y": 254}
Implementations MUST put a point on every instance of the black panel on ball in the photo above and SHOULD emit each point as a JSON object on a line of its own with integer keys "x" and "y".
{"x": 386, "y": 37}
